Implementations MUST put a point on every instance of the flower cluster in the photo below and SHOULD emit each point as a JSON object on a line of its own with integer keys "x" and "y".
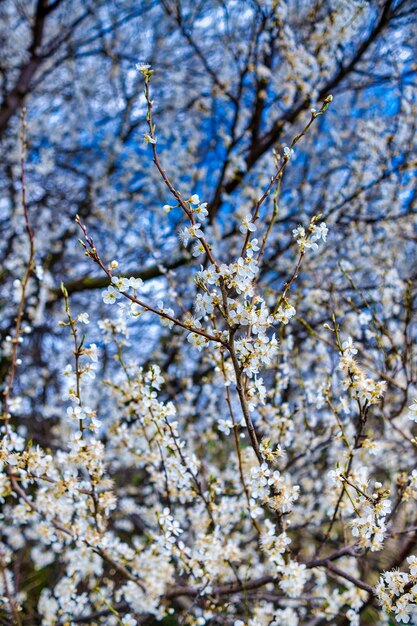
{"x": 355, "y": 380}
{"x": 316, "y": 233}
{"x": 119, "y": 286}
{"x": 272, "y": 489}
{"x": 396, "y": 591}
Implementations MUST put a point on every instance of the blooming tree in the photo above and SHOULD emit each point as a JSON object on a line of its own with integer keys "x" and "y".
{"x": 208, "y": 400}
